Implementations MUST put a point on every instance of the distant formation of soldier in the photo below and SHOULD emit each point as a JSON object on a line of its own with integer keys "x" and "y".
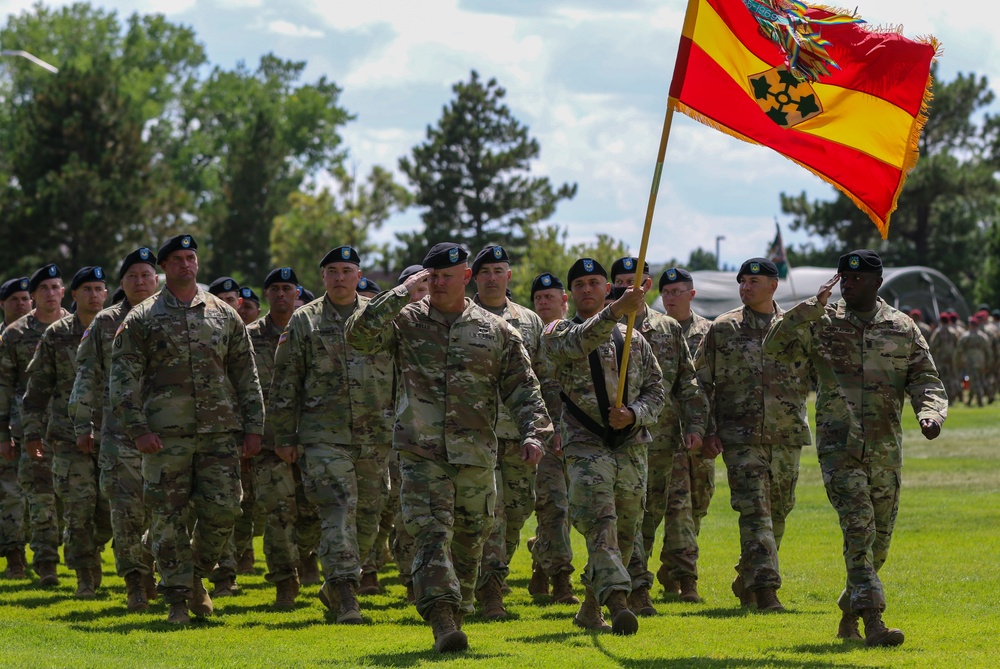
{"x": 419, "y": 426}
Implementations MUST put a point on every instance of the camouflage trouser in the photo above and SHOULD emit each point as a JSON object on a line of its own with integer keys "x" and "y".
{"x": 515, "y": 483}
{"x": 692, "y": 485}
{"x": 866, "y": 498}
{"x": 86, "y": 512}
{"x": 390, "y": 503}
{"x": 12, "y": 508}
{"x": 552, "y": 550}
{"x": 606, "y": 497}
{"x": 448, "y": 510}
{"x": 345, "y": 484}
{"x": 242, "y": 537}
{"x": 121, "y": 483}
{"x": 275, "y": 482}
{"x": 200, "y": 476}
{"x": 762, "y": 482}
{"x": 977, "y": 386}
{"x": 35, "y": 477}
{"x": 403, "y": 546}
{"x": 660, "y": 466}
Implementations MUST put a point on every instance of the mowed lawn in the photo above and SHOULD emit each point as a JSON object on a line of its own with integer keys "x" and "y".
{"x": 942, "y": 582}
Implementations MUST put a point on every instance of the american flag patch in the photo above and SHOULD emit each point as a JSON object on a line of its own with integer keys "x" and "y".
{"x": 86, "y": 333}
{"x": 283, "y": 338}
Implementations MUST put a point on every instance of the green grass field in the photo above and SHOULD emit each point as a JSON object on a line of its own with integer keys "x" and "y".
{"x": 941, "y": 580}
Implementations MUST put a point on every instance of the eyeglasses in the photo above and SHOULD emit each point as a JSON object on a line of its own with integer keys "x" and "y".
{"x": 677, "y": 292}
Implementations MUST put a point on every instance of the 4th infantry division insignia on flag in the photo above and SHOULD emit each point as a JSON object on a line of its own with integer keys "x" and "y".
{"x": 783, "y": 98}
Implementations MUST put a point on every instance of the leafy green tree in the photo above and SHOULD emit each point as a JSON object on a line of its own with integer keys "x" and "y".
{"x": 472, "y": 176}
{"x": 700, "y": 259}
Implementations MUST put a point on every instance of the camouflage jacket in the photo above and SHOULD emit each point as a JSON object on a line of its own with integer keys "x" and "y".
{"x": 17, "y": 348}
{"x": 756, "y": 397}
{"x": 51, "y": 373}
{"x": 451, "y": 376}
{"x": 529, "y": 326}
{"x": 695, "y": 329}
{"x": 90, "y": 401}
{"x": 324, "y": 391}
{"x": 685, "y": 407}
{"x": 864, "y": 369}
{"x": 265, "y": 335}
{"x": 943, "y": 343}
{"x": 182, "y": 369}
{"x": 569, "y": 344}
{"x": 974, "y": 351}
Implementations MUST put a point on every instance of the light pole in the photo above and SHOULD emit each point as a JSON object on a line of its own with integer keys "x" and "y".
{"x": 718, "y": 263}
{"x": 34, "y": 59}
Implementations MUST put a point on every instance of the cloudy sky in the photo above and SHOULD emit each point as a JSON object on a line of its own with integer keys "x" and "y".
{"x": 588, "y": 77}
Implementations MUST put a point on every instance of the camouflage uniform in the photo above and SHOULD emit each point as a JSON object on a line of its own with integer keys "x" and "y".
{"x": 291, "y": 523}
{"x": 864, "y": 370}
{"x": 35, "y": 476}
{"x": 451, "y": 374}
{"x": 515, "y": 479}
{"x": 607, "y": 487}
{"x": 943, "y": 346}
{"x": 51, "y": 374}
{"x": 11, "y": 502}
{"x": 334, "y": 404}
{"x": 975, "y": 357}
{"x": 185, "y": 372}
{"x": 692, "y": 485}
{"x": 685, "y": 411}
{"x": 759, "y": 411}
{"x": 119, "y": 461}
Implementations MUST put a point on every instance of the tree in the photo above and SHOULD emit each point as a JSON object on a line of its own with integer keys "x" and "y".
{"x": 314, "y": 224}
{"x": 949, "y": 199}
{"x": 472, "y": 176}
{"x": 700, "y": 259}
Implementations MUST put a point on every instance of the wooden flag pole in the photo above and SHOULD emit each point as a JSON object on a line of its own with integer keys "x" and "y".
{"x": 650, "y": 206}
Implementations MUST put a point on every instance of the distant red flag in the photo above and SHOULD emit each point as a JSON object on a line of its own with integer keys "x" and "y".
{"x": 847, "y": 104}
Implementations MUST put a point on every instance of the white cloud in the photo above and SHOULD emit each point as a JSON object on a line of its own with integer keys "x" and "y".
{"x": 289, "y": 29}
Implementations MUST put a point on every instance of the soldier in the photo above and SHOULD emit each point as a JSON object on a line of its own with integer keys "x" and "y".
{"x": 249, "y": 309}
{"x": 305, "y": 297}
{"x": 692, "y": 481}
{"x": 291, "y": 525}
{"x": 226, "y": 289}
{"x": 604, "y": 445}
{"x": 318, "y": 376}
{"x": 368, "y": 288}
{"x": 759, "y": 411}
{"x": 975, "y": 357}
{"x": 867, "y": 355}
{"x": 184, "y": 385}
{"x": 20, "y": 340}
{"x": 455, "y": 360}
{"x": 685, "y": 410}
{"x": 515, "y": 479}
{"x": 943, "y": 344}
{"x": 16, "y": 302}
{"x": 551, "y": 549}
{"x": 119, "y": 461}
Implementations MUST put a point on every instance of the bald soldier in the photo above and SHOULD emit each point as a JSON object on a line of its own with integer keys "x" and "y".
{"x": 456, "y": 360}
{"x": 868, "y": 357}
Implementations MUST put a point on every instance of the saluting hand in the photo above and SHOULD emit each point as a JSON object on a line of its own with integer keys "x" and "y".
{"x": 826, "y": 290}
{"x": 416, "y": 279}
{"x": 930, "y": 428}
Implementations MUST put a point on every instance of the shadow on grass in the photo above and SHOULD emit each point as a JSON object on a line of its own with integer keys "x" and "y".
{"x": 555, "y": 637}
{"x": 417, "y": 658}
{"x": 150, "y": 625}
{"x": 37, "y": 602}
{"x": 828, "y": 648}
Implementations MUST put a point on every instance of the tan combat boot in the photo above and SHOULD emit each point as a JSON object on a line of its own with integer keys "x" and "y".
{"x": 668, "y": 582}
{"x": 590, "y": 617}
{"x": 447, "y": 637}
{"x": 640, "y": 603}
{"x": 876, "y": 633}
{"x": 491, "y": 599}
{"x": 349, "y": 612}
{"x": 746, "y": 597}
{"x": 200, "y": 603}
{"x": 848, "y": 627}
{"x": 245, "y": 565}
{"x": 135, "y": 593}
{"x": 767, "y": 601}
{"x": 623, "y": 621}
{"x": 47, "y": 576}
{"x": 149, "y": 585}
{"x": 689, "y": 590}
{"x": 562, "y": 589}
{"x": 97, "y": 574}
{"x": 178, "y": 614}
{"x": 287, "y": 590}
{"x": 539, "y": 583}
{"x": 85, "y": 588}
{"x": 225, "y": 587}
{"x": 309, "y": 570}
{"x": 16, "y": 564}
{"x": 369, "y": 583}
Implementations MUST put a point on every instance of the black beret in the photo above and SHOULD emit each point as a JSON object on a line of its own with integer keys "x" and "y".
{"x": 118, "y": 296}
{"x": 675, "y": 275}
{"x": 861, "y": 260}
{"x": 87, "y": 275}
{"x": 545, "y": 281}
{"x": 758, "y": 267}
{"x": 281, "y": 275}
{"x": 50, "y": 271}
{"x": 367, "y": 285}
{"x": 445, "y": 254}
{"x": 407, "y": 273}
{"x": 490, "y": 254}
{"x": 11, "y": 286}
{"x": 627, "y": 266}
{"x": 341, "y": 254}
{"x": 224, "y": 284}
{"x": 615, "y": 293}
{"x": 176, "y": 243}
{"x": 248, "y": 294}
{"x": 140, "y": 255}
{"x": 584, "y": 267}
{"x": 306, "y": 295}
